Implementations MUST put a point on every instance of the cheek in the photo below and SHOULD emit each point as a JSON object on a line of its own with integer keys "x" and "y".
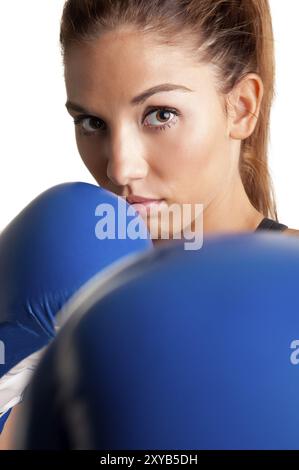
{"x": 92, "y": 158}
{"x": 196, "y": 161}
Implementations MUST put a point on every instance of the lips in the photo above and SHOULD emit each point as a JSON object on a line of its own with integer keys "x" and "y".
{"x": 141, "y": 200}
{"x": 145, "y": 205}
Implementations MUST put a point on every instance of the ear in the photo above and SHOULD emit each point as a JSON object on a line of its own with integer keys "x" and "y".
{"x": 244, "y": 103}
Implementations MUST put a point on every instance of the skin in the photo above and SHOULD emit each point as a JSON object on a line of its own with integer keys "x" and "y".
{"x": 195, "y": 160}
{"x": 6, "y": 437}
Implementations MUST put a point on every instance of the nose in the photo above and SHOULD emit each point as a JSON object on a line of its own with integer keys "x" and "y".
{"x": 126, "y": 160}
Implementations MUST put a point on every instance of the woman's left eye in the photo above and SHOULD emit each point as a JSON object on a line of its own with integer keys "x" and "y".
{"x": 163, "y": 115}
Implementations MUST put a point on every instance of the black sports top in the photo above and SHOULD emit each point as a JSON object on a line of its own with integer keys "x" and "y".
{"x": 269, "y": 224}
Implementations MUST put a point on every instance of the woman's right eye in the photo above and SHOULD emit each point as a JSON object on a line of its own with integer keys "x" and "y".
{"x": 88, "y": 125}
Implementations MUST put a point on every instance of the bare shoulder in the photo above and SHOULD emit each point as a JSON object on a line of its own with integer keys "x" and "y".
{"x": 291, "y": 231}
{"x": 7, "y": 435}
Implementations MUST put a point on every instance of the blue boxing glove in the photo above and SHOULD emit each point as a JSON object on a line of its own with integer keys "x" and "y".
{"x": 185, "y": 350}
{"x": 3, "y": 419}
{"x": 49, "y": 251}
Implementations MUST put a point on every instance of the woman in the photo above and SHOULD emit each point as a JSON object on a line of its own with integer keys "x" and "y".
{"x": 200, "y": 71}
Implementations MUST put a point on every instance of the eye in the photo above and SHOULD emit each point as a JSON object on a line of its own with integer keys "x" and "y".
{"x": 88, "y": 125}
{"x": 161, "y": 118}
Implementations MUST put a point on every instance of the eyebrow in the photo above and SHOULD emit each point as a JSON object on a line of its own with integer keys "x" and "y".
{"x": 139, "y": 99}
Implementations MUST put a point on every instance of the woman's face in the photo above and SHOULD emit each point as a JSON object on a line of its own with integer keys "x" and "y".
{"x": 172, "y": 145}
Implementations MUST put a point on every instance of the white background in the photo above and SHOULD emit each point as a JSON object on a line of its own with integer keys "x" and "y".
{"x": 38, "y": 147}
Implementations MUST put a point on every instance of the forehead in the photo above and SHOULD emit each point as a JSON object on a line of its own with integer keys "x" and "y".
{"x": 124, "y": 49}
{"x": 128, "y": 61}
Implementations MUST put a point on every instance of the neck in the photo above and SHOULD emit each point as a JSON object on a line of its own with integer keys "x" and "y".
{"x": 231, "y": 212}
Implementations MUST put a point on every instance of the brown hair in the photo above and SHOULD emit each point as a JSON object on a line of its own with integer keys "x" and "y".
{"x": 235, "y": 36}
